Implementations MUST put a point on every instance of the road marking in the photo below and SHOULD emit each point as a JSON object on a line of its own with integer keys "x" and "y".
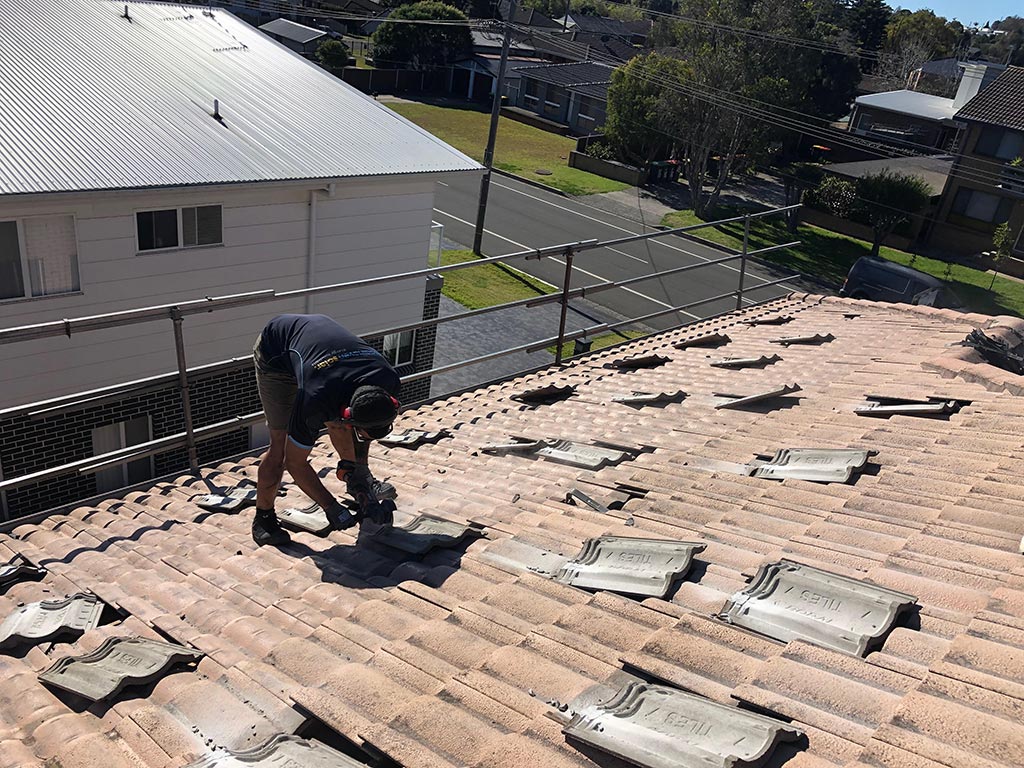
{"x": 559, "y": 261}
{"x": 627, "y": 255}
{"x": 443, "y": 184}
{"x": 623, "y": 229}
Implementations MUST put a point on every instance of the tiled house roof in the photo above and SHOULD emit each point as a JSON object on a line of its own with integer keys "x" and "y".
{"x": 473, "y": 656}
{"x": 1001, "y": 103}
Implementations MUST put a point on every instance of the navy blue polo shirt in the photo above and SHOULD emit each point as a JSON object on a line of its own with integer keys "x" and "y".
{"x": 328, "y": 362}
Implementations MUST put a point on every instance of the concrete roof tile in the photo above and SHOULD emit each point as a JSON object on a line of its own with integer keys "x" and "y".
{"x": 369, "y": 640}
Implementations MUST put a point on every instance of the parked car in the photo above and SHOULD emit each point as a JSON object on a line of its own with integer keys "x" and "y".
{"x": 880, "y": 280}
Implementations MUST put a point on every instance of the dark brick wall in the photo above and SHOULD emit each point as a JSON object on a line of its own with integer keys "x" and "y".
{"x": 30, "y": 445}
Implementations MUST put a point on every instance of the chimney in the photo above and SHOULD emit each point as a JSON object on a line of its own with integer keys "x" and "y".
{"x": 975, "y": 77}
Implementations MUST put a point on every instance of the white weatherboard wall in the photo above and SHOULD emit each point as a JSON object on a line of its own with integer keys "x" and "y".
{"x": 366, "y": 228}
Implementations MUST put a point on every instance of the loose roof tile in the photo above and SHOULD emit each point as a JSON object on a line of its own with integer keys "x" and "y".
{"x": 18, "y": 569}
{"x": 819, "y": 465}
{"x": 637, "y": 363}
{"x": 639, "y": 399}
{"x": 707, "y": 340}
{"x": 814, "y": 340}
{"x": 632, "y": 566}
{"x": 412, "y": 438}
{"x": 772, "y": 320}
{"x": 116, "y": 664}
{"x": 280, "y": 751}
{"x": 48, "y": 619}
{"x": 546, "y": 395}
{"x": 424, "y": 532}
{"x": 746, "y": 362}
{"x": 742, "y": 401}
{"x": 659, "y": 727}
{"x": 311, "y": 518}
{"x": 788, "y": 600}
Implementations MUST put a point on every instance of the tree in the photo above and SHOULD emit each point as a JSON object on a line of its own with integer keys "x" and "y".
{"x": 422, "y": 46}
{"x": 641, "y": 117}
{"x": 332, "y": 54}
{"x": 1007, "y": 47}
{"x": 866, "y": 22}
{"x": 888, "y": 199}
{"x": 1002, "y": 241}
{"x": 937, "y": 35}
{"x": 835, "y": 195}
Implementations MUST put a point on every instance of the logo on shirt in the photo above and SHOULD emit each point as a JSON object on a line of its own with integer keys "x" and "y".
{"x": 327, "y": 362}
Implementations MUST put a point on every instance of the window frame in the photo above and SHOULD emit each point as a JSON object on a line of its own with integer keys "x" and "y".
{"x": 398, "y": 363}
{"x": 26, "y": 279}
{"x": 180, "y": 219}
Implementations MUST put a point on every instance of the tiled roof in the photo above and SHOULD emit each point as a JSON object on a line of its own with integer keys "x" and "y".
{"x": 593, "y": 90}
{"x": 472, "y": 656}
{"x": 1001, "y": 103}
{"x": 601, "y": 25}
{"x": 567, "y": 75}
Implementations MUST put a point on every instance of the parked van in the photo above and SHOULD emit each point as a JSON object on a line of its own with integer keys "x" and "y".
{"x": 880, "y": 280}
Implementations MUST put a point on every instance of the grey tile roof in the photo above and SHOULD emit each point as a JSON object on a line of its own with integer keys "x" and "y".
{"x": 134, "y": 107}
{"x": 1001, "y": 103}
{"x": 291, "y": 30}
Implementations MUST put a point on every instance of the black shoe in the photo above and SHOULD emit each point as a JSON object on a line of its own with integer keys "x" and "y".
{"x": 267, "y": 531}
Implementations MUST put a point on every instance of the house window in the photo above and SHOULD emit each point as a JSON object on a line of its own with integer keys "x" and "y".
{"x": 532, "y": 93}
{"x": 398, "y": 347}
{"x": 179, "y": 227}
{"x": 38, "y": 257}
{"x": 114, "y": 437}
{"x": 1000, "y": 143}
{"x": 981, "y": 206}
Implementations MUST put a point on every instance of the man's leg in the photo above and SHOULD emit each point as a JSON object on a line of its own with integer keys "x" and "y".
{"x": 277, "y": 395}
{"x": 271, "y": 470}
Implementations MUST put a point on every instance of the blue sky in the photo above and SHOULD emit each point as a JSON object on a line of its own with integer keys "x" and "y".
{"x": 966, "y": 12}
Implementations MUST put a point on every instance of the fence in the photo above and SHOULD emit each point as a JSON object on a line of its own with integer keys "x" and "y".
{"x": 177, "y": 313}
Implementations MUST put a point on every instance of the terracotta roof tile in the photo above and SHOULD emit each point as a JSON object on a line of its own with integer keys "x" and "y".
{"x": 458, "y": 656}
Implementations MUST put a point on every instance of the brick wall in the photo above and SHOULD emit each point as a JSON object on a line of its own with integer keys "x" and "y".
{"x": 29, "y": 445}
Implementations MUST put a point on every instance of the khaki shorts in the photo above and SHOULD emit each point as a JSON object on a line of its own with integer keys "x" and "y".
{"x": 277, "y": 391}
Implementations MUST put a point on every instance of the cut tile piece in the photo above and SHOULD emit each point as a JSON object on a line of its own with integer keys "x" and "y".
{"x": 810, "y": 340}
{"x": 281, "y": 751}
{"x": 18, "y": 568}
{"x": 545, "y": 395}
{"x": 885, "y": 407}
{"x": 659, "y": 727}
{"x": 746, "y": 362}
{"x": 49, "y": 619}
{"x": 117, "y": 664}
{"x": 647, "y": 567}
{"x": 817, "y": 465}
{"x": 740, "y": 401}
{"x": 524, "y": 447}
{"x": 311, "y": 519}
{"x": 775, "y": 320}
{"x": 788, "y": 601}
{"x": 709, "y": 340}
{"x": 595, "y": 505}
{"x": 232, "y": 502}
{"x": 413, "y": 438}
{"x": 638, "y": 363}
{"x": 424, "y": 533}
{"x": 650, "y": 398}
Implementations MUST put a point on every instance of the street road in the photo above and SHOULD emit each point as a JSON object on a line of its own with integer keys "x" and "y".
{"x": 521, "y": 216}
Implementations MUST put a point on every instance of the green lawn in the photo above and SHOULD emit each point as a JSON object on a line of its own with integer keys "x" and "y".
{"x": 520, "y": 149}
{"x": 489, "y": 284}
{"x": 602, "y": 341}
{"x": 829, "y": 256}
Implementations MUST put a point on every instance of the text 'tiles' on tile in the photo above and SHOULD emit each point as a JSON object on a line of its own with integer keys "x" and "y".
{"x": 788, "y": 601}
{"x": 117, "y": 664}
{"x": 631, "y": 566}
{"x": 659, "y": 727}
{"x": 18, "y": 568}
{"x": 50, "y": 619}
{"x": 817, "y": 465}
{"x": 282, "y": 751}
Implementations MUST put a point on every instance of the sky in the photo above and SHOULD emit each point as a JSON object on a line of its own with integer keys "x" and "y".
{"x": 967, "y": 11}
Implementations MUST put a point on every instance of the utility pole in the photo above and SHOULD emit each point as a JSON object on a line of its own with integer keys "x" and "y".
{"x": 492, "y": 133}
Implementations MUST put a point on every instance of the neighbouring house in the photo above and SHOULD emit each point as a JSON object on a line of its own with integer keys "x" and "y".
{"x": 574, "y": 95}
{"x": 986, "y": 187}
{"x": 178, "y": 157}
{"x": 921, "y": 121}
{"x": 942, "y": 76}
{"x": 934, "y": 169}
{"x": 643, "y": 590}
{"x": 298, "y": 37}
{"x": 600, "y": 25}
{"x": 475, "y": 77}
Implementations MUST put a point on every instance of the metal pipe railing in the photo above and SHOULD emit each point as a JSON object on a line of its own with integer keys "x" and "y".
{"x": 178, "y": 311}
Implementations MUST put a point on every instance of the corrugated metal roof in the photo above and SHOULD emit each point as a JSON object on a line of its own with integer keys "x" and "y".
{"x": 291, "y": 30}
{"x": 912, "y": 103}
{"x": 581, "y": 73}
{"x": 1001, "y": 103}
{"x": 90, "y": 100}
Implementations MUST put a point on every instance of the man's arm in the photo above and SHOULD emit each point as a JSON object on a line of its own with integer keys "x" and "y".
{"x": 296, "y": 461}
